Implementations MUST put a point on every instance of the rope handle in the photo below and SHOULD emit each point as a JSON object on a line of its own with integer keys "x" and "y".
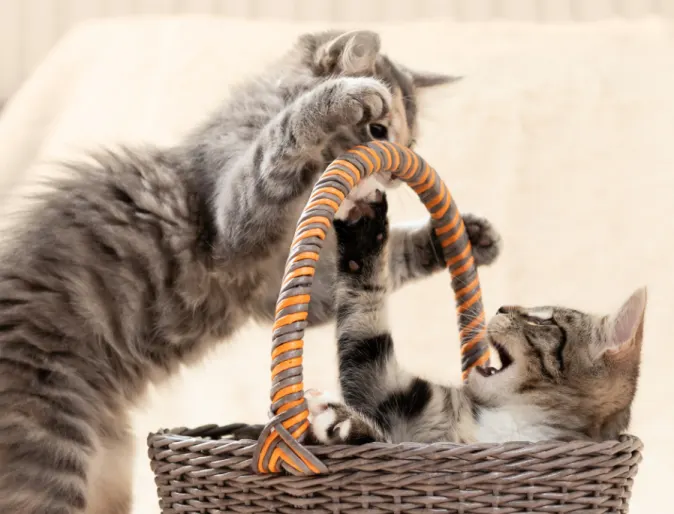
{"x": 278, "y": 446}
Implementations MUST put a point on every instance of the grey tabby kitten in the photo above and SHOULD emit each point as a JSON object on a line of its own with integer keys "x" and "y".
{"x": 564, "y": 374}
{"x": 143, "y": 259}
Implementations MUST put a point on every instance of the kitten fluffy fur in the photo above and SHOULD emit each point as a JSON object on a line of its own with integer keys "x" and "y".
{"x": 144, "y": 258}
{"x": 563, "y": 374}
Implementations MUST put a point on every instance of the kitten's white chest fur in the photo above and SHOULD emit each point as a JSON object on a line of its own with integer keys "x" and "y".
{"x": 513, "y": 423}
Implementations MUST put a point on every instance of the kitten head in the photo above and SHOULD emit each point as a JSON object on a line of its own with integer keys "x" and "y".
{"x": 358, "y": 54}
{"x": 581, "y": 370}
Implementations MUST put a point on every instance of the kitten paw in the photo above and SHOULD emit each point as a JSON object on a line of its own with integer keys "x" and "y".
{"x": 364, "y": 231}
{"x": 333, "y": 422}
{"x": 484, "y": 238}
{"x": 363, "y": 100}
{"x": 329, "y": 419}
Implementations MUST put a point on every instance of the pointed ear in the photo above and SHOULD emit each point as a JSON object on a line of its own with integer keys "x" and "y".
{"x": 624, "y": 329}
{"x": 351, "y": 53}
{"x": 423, "y": 79}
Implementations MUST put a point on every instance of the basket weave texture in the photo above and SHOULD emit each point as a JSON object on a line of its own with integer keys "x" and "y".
{"x": 199, "y": 472}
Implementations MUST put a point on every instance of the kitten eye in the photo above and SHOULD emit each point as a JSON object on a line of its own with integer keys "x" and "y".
{"x": 378, "y": 131}
{"x": 412, "y": 144}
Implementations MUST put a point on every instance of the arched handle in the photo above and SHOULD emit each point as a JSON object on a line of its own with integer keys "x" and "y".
{"x": 278, "y": 447}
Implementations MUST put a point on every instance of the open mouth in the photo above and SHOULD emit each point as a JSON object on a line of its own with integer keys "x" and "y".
{"x": 503, "y": 355}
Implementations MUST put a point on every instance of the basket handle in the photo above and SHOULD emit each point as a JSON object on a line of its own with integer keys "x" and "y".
{"x": 278, "y": 446}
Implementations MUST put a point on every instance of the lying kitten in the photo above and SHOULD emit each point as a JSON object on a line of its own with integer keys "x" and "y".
{"x": 144, "y": 259}
{"x": 564, "y": 374}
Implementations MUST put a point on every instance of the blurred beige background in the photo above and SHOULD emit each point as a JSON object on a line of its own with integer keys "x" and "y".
{"x": 560, "y": 132}
{"x": 29, "y": 28}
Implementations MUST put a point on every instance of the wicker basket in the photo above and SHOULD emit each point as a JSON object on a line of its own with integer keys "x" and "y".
{"x": 207, "y": 471}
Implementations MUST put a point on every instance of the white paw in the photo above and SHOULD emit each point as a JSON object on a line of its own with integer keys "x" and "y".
{"x": 324, "y": 419}
{"x": 368, "y": 99}
{"x": 318, "y": 401}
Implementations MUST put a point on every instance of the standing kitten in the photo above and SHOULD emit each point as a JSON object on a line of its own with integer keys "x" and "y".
{"x": 142, "y": 260}
{"x": 564, "y": 374}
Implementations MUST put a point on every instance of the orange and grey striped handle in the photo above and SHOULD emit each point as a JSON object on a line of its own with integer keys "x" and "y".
{"x": 278, "y": 447}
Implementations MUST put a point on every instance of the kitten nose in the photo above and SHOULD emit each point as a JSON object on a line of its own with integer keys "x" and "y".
{"x": 508, "y": 309}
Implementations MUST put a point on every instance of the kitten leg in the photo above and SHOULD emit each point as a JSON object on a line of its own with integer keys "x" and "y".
{"x": 367, "y": 365}
{"x": 401, "y": 406}
{"x": 283, "y": 163}
{"x": 415, "y": 251}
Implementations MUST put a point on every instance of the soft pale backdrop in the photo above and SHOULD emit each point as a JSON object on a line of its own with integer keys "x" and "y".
{"x": 561, "y": 135}
{"x": 29, "y": 28}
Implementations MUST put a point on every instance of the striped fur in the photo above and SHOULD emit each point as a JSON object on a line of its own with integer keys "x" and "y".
{"x": 565, "y": 374}
{"x": 144, "y": 258}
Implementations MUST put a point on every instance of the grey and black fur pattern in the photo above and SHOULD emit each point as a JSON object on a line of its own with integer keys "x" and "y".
{"x": 142, "y": 259}
{"x": 563, "y": 374}
{"x": 377, "y": 391}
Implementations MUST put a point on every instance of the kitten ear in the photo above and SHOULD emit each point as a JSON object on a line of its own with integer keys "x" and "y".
{"x": 624, "y": 329}
{"x": 351, "y": 53}
{"x": 428, "y": 79}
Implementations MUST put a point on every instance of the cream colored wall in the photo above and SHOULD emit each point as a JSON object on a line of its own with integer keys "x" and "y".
{"x": 29, "y": 28}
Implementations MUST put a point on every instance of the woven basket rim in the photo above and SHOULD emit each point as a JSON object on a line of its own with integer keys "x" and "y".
{"x": 182, "y": 434}
{"x": 199, "y": 474}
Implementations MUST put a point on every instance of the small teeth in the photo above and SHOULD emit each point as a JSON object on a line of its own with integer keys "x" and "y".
{"x": 489, "y": 371}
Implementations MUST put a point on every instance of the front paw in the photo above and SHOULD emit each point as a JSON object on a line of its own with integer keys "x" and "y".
{"x": 360, "y": 100}
{"x": 484, "y": 239}
{"x": 332, "y": 422}
{"x": 364, "y": 232}
{"x": 329, "y": 419}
